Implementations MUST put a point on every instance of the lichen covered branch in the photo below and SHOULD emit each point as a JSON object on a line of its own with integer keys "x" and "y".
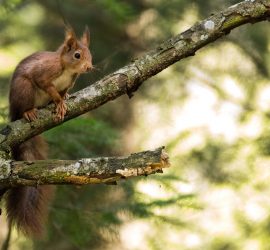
{"x": 84, "y": 171}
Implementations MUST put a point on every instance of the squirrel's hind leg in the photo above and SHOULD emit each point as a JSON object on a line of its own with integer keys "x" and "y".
{"x": 30, "y": 115}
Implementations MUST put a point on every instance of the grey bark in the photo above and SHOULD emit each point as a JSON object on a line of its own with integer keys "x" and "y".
{"x": 83, "y": 171}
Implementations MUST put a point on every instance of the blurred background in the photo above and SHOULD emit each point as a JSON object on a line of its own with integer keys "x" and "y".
{"x": 211, "y": 112}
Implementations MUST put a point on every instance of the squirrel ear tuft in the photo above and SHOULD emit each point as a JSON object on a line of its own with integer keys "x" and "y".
{"x": 70, "y": 39}
{"x": 85, "y": 39}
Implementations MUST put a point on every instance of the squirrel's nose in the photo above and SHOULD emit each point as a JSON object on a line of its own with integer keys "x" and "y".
{"x": 88, "y": 67}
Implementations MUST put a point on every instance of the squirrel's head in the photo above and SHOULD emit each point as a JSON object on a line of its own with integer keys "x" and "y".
{"x": 75, "y": 54}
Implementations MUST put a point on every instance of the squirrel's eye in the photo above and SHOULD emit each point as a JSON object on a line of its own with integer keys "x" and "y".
{"x": 77, "y": 55}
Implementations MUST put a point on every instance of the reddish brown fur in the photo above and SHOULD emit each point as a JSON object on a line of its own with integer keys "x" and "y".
{"x": 38, "y": 79}
{"x": 27, "y": 207}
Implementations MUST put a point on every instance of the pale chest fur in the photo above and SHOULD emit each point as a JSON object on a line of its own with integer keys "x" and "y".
{"x": 61, "y": 83}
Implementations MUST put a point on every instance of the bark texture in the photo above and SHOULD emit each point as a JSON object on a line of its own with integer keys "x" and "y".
{"x": 84, "y": 171}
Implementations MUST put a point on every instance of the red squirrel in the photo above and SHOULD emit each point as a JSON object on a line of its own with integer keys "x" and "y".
{"x": 39, "y": 79}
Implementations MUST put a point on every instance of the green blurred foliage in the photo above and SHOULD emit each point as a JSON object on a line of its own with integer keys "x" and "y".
{"x": 82, "y": 137}
{"x": 210, "y": 112}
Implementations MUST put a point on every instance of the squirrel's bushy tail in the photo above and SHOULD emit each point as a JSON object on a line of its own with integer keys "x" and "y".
{"x": 27, "y": 207}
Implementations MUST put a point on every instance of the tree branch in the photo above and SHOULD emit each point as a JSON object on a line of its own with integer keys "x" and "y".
{"x": 84, "y": 171}
{"x": 128, "y": 79}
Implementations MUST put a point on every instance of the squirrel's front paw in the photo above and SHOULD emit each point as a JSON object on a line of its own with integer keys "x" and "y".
{"x": 61, "y": 110}
{"x": 66, "y": 96}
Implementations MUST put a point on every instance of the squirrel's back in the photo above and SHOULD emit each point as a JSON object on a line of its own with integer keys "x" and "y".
{"x": 38, "y": 60}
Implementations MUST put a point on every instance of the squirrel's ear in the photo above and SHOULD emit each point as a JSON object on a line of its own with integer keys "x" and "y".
{"x": 70, "y": 39}
{"x": 85, "y": 39}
